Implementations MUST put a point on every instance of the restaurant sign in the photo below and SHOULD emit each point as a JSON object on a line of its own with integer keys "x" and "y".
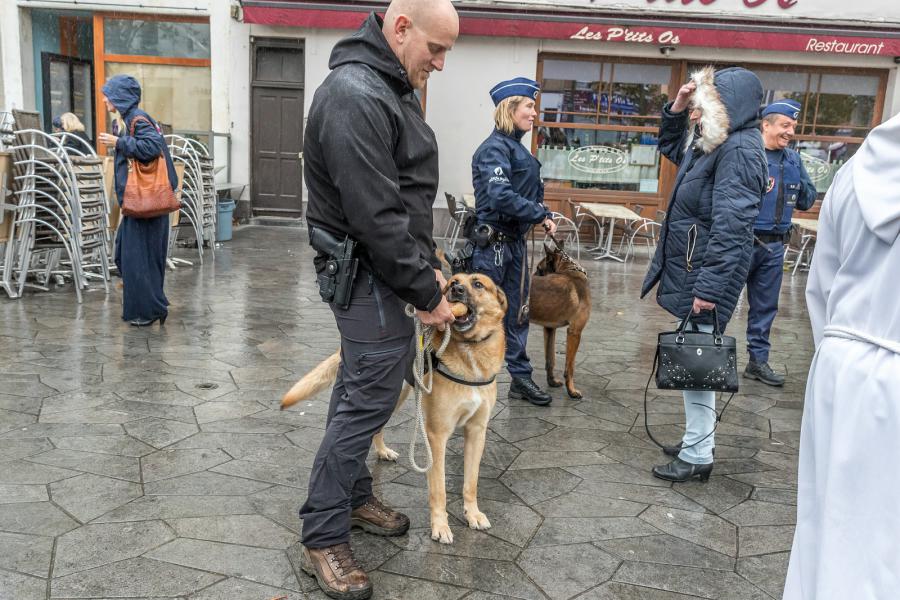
{"x": 816, "y": 168}
{"x": 598, "y": 159}
{"x": 592, "y": 30}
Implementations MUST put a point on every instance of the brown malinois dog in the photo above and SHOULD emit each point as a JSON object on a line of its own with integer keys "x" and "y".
{"x": 560, "y": 297}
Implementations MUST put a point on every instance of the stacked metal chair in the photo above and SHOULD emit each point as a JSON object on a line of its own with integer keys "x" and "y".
{"x": 198, "y": 191}
{"x": 61, "y": 216}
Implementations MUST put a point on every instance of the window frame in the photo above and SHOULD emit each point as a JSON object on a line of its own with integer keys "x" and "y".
{"x": 101, "y": 58}
{"x": 561, "y": 195}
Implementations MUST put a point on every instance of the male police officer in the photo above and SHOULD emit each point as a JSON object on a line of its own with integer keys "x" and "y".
{"x": 371, "y": 165}
{"x": 789, "y": 186}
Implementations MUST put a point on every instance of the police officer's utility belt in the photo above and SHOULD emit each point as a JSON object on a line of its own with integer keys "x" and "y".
{"x": 336, "y": 278}
{"x": 484, "y": 235}
{"x": 768, "y": 238}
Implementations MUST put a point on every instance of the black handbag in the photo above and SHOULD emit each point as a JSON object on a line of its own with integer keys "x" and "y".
{"x": 696, "y": 360}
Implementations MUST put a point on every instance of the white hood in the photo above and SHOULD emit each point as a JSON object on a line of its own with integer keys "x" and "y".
{"x": 876, "y": 180}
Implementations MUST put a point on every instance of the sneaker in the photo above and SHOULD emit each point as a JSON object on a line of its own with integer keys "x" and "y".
{"x": 761, "y": 371}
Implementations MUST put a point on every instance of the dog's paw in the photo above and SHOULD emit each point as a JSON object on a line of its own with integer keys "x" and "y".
{"x": 442, "y": 534}
{"x": 387, "y": 454}
{"x": 553, "y": 382}
{"x": 478, "y": 520}
{"x": 573, "y": 393}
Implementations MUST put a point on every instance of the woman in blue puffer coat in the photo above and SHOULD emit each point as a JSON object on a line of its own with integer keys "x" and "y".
{"x": 705, "y": 244}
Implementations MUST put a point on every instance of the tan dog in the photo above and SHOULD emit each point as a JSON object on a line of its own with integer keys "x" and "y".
{"x": 560, "y": 297}
{"x": 474, "y": 354}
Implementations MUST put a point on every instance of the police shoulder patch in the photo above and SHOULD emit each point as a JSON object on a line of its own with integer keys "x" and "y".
{"x": 771, "y": 185}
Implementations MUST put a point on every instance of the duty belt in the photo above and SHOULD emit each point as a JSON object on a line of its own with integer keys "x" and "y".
{"x": 768, "y": 238}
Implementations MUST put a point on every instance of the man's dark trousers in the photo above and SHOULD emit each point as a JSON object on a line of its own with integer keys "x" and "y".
{"x": 376, "y": 338}
{"x": 763, "y": 289}
{"x": 508, "y": 275}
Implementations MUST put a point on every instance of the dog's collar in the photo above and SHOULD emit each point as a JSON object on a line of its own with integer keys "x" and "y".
{"x": 478, "y": 341}
{"x": 439, "y": 368}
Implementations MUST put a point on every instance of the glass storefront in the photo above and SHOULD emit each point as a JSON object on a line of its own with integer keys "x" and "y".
{"x": 839, "y": 109}
{"x": 598, "y": 121}
{"x": 170, "y": 58}
{"x": 176, "y": 95}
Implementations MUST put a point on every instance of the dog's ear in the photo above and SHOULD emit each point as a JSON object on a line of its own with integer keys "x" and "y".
{"x": 501, "y": 298}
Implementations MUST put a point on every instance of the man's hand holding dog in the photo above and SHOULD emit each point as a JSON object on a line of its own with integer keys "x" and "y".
{"x": 439, "y": 317}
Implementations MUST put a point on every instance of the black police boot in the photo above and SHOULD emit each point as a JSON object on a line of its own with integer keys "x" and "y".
{"x": 679, "y": 470}
{"x": 761, "y": 371}
{"x": 523, "y": 388}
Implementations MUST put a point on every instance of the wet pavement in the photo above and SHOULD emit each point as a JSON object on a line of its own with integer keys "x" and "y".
{"x": 154, "y": 462}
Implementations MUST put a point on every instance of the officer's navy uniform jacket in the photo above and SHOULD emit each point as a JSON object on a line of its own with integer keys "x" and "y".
{"x": 509, "y": 196}
{"x": 788, "y": 187}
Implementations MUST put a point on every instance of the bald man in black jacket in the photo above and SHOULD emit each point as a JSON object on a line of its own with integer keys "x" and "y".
{"x": 371, "y": 168}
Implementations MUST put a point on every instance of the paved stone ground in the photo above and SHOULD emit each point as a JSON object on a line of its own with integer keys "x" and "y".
{"x": 139, "y": 463}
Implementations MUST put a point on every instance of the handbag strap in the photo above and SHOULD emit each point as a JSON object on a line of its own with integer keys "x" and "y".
{"x": 135, "y": 120}
{"x": 716, "y": 331}
{"x": 646, "y": 420}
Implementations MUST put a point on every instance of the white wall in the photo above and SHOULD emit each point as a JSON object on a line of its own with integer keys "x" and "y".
{"x": 13, "y": 95}
{"x": 459, "y": 106}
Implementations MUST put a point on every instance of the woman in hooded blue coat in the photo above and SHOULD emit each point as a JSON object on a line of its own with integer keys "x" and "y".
{"x": 141, "y": 244}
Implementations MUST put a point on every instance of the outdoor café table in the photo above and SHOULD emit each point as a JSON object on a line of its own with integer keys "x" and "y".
{"x": 611, "y": 212}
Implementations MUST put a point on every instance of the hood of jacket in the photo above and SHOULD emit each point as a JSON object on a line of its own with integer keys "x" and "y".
{"x": 124, "y": 92}
{"x": 729, "y": 100}
{"x": 876, "y": 180}
{"x": 368, "y": 46}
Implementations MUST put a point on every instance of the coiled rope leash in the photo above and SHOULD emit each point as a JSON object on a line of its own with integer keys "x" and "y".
{"x": 424, "y": 349}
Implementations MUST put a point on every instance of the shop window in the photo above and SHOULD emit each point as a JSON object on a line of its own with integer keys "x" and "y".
{"x": 839, "y": 109}
{"x": 156, "y": 38}
{"x": 170, "y": 93}
{"x": 169, "y": 56}
{"x": 598, "y": 123}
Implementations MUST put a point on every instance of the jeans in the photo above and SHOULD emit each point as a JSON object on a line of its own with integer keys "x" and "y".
{"x": 700, "y": 419}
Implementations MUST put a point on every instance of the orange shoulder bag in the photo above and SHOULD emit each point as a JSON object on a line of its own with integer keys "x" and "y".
{"x": 148, "y": 191}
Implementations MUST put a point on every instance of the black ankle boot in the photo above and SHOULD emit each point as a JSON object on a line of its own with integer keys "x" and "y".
{"x": 523, "y": 388}
{"x": 679, "y": 470}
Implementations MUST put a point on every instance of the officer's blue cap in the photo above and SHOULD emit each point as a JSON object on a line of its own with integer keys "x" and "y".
{"x": 520, "y": 86}
{"x": 788, "y": 108}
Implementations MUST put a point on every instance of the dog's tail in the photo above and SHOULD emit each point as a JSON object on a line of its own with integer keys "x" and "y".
{"x": 313, "y": 382}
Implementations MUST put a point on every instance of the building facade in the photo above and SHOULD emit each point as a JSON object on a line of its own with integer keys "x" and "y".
{"x": 249, "y": 68}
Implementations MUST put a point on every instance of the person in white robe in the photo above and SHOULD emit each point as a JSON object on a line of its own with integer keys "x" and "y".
{"x": 847, "y": 540}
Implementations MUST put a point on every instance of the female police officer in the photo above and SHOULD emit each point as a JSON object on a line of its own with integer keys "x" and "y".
{"x": 509, "y": 198}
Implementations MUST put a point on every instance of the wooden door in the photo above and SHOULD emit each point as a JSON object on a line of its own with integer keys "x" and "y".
{"x": 277, "y": 127}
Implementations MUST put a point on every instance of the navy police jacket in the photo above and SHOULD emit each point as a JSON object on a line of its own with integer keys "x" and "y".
{"x": 788, "y": 187}
{"x": 509, "y": 193}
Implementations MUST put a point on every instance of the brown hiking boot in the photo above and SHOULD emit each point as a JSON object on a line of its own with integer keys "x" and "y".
{"x": 337, "y": 572}
{"x": 375, "y": 517}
